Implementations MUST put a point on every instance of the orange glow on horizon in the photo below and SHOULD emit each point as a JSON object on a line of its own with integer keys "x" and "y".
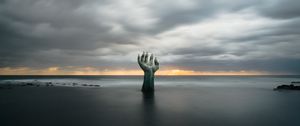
{"x": 94, "y": 71}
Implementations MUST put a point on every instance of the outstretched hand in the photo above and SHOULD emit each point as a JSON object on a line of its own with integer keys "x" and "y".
{"x": 148, "y": 62}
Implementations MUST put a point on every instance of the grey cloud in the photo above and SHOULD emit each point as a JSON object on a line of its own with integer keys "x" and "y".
{"x": 172, "y": 16}
{"x": 43, "y": 33}
{"x": 281, "y": 9}
{"x": 32, "y": 26}
{"x": 198, "y": 51}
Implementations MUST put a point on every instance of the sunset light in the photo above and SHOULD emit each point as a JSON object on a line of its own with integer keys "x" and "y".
{"x": 95, "y": 71}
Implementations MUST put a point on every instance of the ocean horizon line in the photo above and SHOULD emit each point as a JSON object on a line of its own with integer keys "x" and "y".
{"x": 156, "y": 75}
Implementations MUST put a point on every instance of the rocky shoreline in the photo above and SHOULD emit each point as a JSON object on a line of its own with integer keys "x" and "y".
{"x": 36, "y": 83}
{"x": 295, "y": 85}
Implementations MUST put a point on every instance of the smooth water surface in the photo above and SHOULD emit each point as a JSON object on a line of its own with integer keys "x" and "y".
{"x": 186, "y": 101}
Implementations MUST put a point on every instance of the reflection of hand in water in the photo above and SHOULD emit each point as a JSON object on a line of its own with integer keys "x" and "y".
{"x": 149, "y": 96}
{"x": 149, "y": 111}
{"x": 148, "y": 100}
{"x": 149, "y": 64}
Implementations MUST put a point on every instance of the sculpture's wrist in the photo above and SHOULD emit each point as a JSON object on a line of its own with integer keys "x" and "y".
{"x": 148, "y": 75}
{"x": 148, "y": 84}
{"x": 148, "y": 72}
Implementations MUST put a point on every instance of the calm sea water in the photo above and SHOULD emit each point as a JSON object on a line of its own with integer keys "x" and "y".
{"x": 268, "y": 82}
{"x": 178, "y": 100}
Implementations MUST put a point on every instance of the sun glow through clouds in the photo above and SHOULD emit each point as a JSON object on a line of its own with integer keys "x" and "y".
{"x": 95, "y": 71}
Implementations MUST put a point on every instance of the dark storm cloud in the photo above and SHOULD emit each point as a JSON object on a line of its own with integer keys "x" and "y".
{"x": 33, "y": 27}
{"x": 192, "y": 34}
{"x": 282, "y": 9}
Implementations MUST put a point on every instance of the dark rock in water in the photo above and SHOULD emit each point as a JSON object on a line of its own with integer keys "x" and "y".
{"x": 74, "y": 84}
{"x": 295, "y": 82}
{"x": 29, "y": 84}
{"x": 49, "y": 84}
{"x": 84, "y": 84}
{"x": 287, "y": 87}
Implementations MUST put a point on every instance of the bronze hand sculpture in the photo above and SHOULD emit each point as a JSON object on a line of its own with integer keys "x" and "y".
{"x": 149, "y": 65}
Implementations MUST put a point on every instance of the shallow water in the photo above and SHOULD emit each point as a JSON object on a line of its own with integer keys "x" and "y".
{"x": 206, "y": 101}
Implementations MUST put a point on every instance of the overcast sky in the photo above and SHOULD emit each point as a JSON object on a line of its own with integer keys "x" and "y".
{"x": 197, "y": 35}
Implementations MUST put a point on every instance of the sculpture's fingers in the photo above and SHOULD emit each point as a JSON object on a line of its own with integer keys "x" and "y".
{"x": 156, "y": 62}
{"x": 156, "y": 65}
{"x": 151, "y": 59}
{"x": 146, "y": 58}
{"x": 142, "y": 58}
{"x": 139, "y": 58}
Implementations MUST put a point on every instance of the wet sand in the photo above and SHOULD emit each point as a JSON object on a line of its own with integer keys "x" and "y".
{"x": 127, "y": 106}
